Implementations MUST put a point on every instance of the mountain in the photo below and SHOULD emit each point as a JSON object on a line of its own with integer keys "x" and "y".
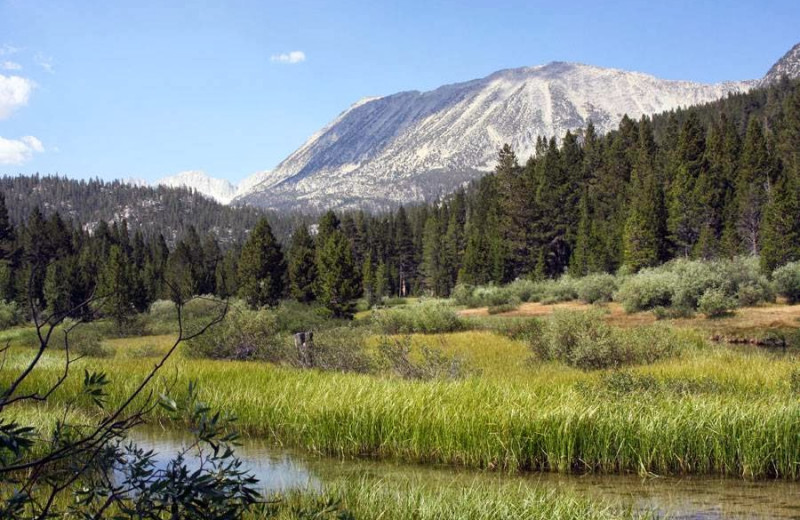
{"x": 414, "y": 146}
{"x": 218, "y": 189}
{"x": 151, "y": 209}
{"x": 788, "y": 65}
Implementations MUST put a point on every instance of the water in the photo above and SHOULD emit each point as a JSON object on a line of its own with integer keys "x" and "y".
{"x": 694, "y": 498}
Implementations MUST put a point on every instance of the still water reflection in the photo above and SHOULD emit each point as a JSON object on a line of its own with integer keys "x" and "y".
{"x": 696, "y": 498}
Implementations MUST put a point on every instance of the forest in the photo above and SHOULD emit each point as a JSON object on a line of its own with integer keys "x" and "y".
{"x": 710, "y": 182}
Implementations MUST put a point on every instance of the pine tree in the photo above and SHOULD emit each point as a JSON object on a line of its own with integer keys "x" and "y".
{"x": 780, "y": 226}
{"x": 116, "y": 288}
{"x": 404, "y": 248}
{"x": 337, "y": 277}
{"x": 227, "y": 273}
{"x": 262, "y": 268}
{"x": 58, "y": 287}
{"x": 645, "y": 228}
{"x": 382, "y": 287}
{"x": 435, "y": 276}
{"x": 579, "y": 262}
{"x": 368, "y": 283}
{"x": 302, "y": 265}
{"x": 752, "y": 187}
{"x": 178, "y": 276}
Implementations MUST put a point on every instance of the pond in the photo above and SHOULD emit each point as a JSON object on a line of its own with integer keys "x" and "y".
{"x": 697, "y": 498}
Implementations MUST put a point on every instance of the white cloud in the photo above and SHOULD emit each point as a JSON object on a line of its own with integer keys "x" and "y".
{"x": 14, "y": 93}
{"x": 10, "y": 65}
{"x": 18, "y": 151}
{"x": 289, "y": 57}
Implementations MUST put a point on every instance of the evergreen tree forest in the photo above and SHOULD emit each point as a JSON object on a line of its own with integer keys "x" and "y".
{"x": 713, "y": 181}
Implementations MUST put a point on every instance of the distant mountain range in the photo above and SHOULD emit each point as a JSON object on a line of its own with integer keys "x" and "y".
{"x": 218, "y": 189}
{"x": 415, "y": 146}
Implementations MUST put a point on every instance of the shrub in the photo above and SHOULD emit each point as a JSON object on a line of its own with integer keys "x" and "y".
{"x": 787, "y": 281}
{"x": 339, "y": 349}
{"x": 162, "y": 317}
{"x": 745, "y": 281}
{"x": 84, "y": 340}
{"x": 524, "y": 290}
{"x": 462, "y": 295}
{"x": 432, "y": 363}
{"x": 715, "y": 303}
{"x": 562, "y": 290}
{"x": 585, "y": 341}
{"x": 10, "y": 315}
{"x": 426, "y": 318}
{"x": 243, "y": 334}
{"x": 646, "y": 290}
{"x": 505, "y": 307}
{"x": 596, "y": 288}
{"x": 294, "y": 317}
{"x": 692, "y": 279}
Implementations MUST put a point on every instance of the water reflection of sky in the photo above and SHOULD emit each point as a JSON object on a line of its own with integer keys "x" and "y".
{"x": 695, "y": 498}
{"x": 276, "y": 471}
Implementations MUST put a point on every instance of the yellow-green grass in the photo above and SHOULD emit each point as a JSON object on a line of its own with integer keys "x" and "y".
{"x": 399, "y": 497}
{"x": 517, "y": 415}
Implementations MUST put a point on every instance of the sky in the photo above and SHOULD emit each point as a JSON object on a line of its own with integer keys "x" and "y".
{"x": 147, "y": 89}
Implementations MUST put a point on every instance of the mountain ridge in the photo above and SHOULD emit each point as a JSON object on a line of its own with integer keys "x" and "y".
{"x": 413, "y": 146}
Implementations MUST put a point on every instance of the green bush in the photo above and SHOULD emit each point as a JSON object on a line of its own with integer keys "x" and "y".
{"x": 492, "y": 296}
{"x": 10, "y": 315}
{"x": 583, "y": 340}
{"x": 692, "y": 279}
{"x": 429, "y": 365}
{"x": 715, "y": 303}
{"x": 294, "y": 317}
{"x": 462, "y": 295}
{"x": 646, "y": 290}
{"x": 745, "y": 281}
{"x": 341, "y": 349}
{"x": 83, "y": 340}
{"x": 564, "y": 289}
{"x": 162, "y": 317}
{"x": 524, "y": 290}
{"x": 426, "y": 318}
{"x": 243, "y": 334}
{"x": 596, "y": 288}
{"x": 787, "y": 281}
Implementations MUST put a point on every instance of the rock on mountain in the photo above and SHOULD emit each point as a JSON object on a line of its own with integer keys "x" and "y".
{"x": 217, "y": 189}
{"x": 788, "y": 65}
{"x": 413, "y": 146}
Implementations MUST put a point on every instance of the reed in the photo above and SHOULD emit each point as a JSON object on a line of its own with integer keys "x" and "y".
{"x": 713, "y": 410}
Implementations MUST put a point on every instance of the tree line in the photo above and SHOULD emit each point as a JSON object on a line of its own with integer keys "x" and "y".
{"x": 719, "y": 180}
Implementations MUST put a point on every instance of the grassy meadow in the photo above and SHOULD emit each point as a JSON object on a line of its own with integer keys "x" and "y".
{"x": 701, "y": 408}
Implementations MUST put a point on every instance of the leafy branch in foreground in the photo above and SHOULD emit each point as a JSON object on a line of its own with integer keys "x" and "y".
{"x": 94, "y": 463}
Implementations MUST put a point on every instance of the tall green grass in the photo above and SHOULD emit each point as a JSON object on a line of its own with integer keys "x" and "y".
{"x": 401, "y": 499}
{"x": 540, "y": 419}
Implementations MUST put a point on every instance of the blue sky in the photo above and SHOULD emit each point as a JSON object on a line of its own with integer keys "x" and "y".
{"x": 147, "y": 89}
